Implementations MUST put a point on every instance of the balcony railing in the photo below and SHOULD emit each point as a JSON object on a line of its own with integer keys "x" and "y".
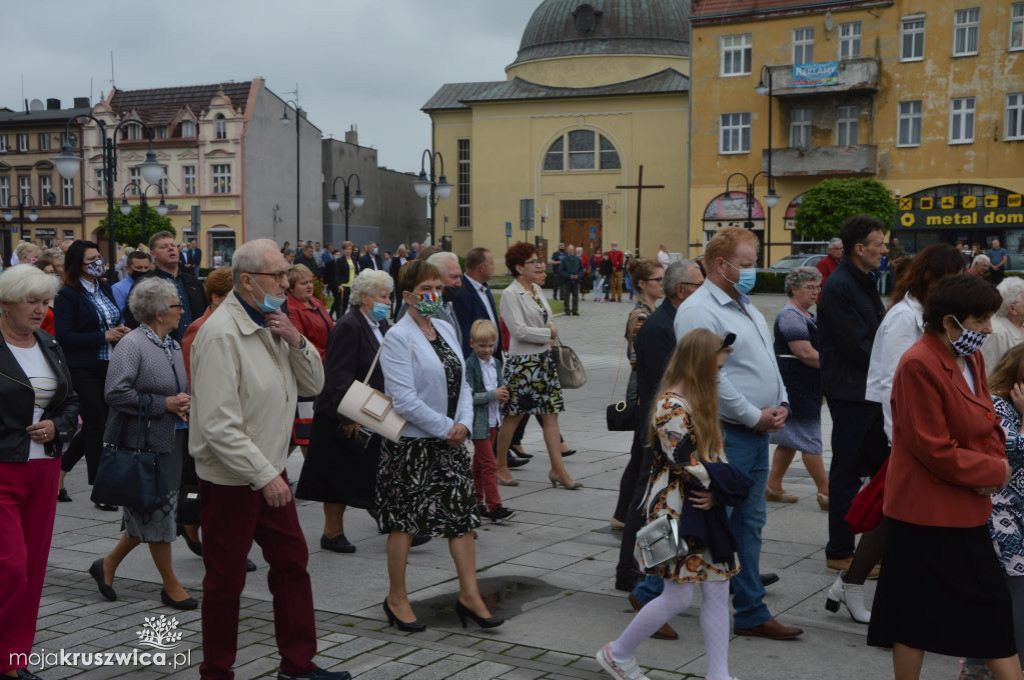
{"x": 855, "y": 75}
{"x": 859, "y": 159}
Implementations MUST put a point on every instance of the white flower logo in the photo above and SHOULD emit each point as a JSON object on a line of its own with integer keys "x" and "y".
{"x": 159, "y": 633}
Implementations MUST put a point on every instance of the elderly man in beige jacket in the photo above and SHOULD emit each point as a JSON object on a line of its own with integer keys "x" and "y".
{"x": 249, "y": 366}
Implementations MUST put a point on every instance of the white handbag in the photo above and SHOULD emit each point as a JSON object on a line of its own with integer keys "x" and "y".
{"x": 371, "y": 408}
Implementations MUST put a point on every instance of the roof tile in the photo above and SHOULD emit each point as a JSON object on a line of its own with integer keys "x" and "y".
{"x": 160, "y": 105}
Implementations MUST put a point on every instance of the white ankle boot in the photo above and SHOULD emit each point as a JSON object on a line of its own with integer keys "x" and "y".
{"x": 852, "y": 596}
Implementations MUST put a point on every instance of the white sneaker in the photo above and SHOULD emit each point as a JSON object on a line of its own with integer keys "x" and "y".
{"x": 620, "y": 670}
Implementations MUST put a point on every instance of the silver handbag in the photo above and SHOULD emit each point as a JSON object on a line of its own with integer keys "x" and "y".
{"x": 659, "y": 542}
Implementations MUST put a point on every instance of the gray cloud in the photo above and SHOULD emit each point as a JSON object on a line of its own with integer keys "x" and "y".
{"x": 371, "y": 63}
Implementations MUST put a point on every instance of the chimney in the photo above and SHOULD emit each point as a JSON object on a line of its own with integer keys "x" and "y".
{"x": 81, "y": 102}
{"x": 53, "y": 105}
{"x": 352, "y": 136}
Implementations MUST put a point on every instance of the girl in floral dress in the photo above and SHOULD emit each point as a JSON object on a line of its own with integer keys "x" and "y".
{"x": 692, "y": 482}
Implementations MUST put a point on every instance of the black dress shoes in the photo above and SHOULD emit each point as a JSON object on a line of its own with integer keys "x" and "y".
{"x": 96, "y": 571}
{"x": 105, "y": 507}
{"x": 338, "y": 544}
{"x": 769, "y": 578}
{"x": 515, "y": 461}
{"x": 627, "y": 581}
{"x": 63, "y": 497}
{"x": 518, "y": 450}
{"x": 411, "y": 627}
{"x": 187, "y": 604}
{"x": 250, "y": 565}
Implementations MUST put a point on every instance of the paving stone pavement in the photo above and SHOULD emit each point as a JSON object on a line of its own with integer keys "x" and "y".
{"x": 550, "y": 572}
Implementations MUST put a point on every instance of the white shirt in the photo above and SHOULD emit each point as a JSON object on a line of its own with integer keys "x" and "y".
{"x": 664, "y": 259}
{"x": 490, "y": 374}
{"x": 969, "y": 377}
{"x": 1004, "y": 336}
{"x": 901, "y": 327}
{"x": 481, "y": 290}
{"x": 375, "y": 327}
{"x": 44, "y": 383}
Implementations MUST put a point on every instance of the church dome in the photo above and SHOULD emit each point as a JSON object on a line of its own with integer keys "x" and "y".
{"x": 570, "y": 28}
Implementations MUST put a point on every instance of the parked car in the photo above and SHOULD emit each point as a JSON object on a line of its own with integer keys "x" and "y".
{"x": 799, "y": 260}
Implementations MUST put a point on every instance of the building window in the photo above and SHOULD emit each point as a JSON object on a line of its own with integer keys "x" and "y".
{"x": 100, "y": 182}
{"x": 965, "y": 31}
{"x": 803, "y": 45}
{"x": 1015, "y": 116}
{"x": 45, "y": 187}
{"x": 800, "y": 129}
{"x": 961, "y": 121}
{"x": 189, "y": 179}
{"x": 553, "y": 159}
{"x": 68, "y": 191}
{"x": 463, "y": 181}
{"x": 24, "y": 189}
{"x": 910, "y": 124}
{"x": 131, "y": 133}
{"x": 736, "y": 54}
{"x": 22, "y": 142}
{"x": 609, "y": 156}
{"x": 735, "y": 133}
{"x": 220, "y": 127}
{"x": 849, "y": 40}
{"x": 912, "y": 39}
{"x": 188, "y": 128}
{"x": 162, "y": 183}
{"x": 135, "y": 177}
{"x": 3, "y": 143}
{"x": 161, "y": 132}
{"x": 582, "y": 144}
{"x": 846, "y": 125}
{"x": 5, "y": 192}
{"x": 1017, "y": 26}
{"x": 222, "y": 178}
{"x": 44, "y": 141}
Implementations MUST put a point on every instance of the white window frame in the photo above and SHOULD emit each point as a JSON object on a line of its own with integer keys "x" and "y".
{"x": 220, "y": 127}
{"x": 100, "y": 181}
{"x": 188, "y": 179}
{"x": 133, "y": 132}
{"x": 191, "y": 131}
{"x": 961, "y": 120}
{"x": 848, "y": 126}
{"x": 736, "y": 48}
{"x": 800, "y": 129}
{"x": 912, "y": 26}
{"x": 1016, "y": 26}
{"x": 44, "y": 141}
{"x": 462, "y": 184}
{"x": 731, "y": 127}
{"x": 582, "y": 154}
{"x": 221, "y": 178}
{"x": 3, "y": 143}
{"x": 135, "y": 178}
{"x": 912, "y": 117}
{"x": 24, "y": 188}
{"x": 803, "y": 40}
{"x": 966, "y": 25}
{"x": 22, "y": 141}
{"x": 849, "y": 40}
{"x": 5, "y": 192}
{"x": 45, "y": 186}
{"x": 68, "y": 191}
{"x": 1014, "y": 114}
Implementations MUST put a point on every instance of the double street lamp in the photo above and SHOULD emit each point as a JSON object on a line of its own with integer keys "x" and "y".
{"x": 434, "y": 186}
{"x": 68, "y": 165}
{"x": 350, "y": 201}
{"x": 24, "y": 201}
{"x": 771, "y": 198}
{"x": 126, "y": 208}
{"x": 285, "y": 120}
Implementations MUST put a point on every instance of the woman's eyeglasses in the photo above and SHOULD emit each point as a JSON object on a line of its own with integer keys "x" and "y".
{"x": 534, "y": 261}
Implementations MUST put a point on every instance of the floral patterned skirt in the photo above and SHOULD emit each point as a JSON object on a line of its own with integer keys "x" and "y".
{"x": 425, "y": 486}
{"x": 533, "y": 386}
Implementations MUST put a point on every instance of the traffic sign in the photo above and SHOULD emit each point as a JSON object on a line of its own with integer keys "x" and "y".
{"x": 508, "y": 230}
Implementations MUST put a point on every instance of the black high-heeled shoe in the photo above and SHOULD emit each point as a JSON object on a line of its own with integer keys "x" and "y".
{"x": 465, "y": 612}
{"x": 518, "y": 450}
{"x": 195, "y": 546}
{"x": 188, "y": 604}
{"x": 413, "y": 627}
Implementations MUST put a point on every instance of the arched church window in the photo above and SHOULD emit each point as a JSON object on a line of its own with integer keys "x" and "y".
{"x": 584, "y": 150}
{"x": 609, "y": 156}
{"x": 581, "y": 150}
{"x": 553, "y": 158}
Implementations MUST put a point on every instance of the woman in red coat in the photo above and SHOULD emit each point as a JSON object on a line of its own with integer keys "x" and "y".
{"x": 941, "y": 588}
{"x": 310, "y": 317}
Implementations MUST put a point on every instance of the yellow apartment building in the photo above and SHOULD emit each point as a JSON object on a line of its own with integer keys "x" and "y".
{"x": 927, "y": 96}
{"x": 596, "y": 91}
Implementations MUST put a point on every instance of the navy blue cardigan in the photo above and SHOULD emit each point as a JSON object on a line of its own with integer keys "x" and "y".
{"x": 77, "y": 326}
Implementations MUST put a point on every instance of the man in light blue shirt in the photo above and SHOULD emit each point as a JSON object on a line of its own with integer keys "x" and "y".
{"x": 137, "y": 263}
{"x": 752, "y": 402}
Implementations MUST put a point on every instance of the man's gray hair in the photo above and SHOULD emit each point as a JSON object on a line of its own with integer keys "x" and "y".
{"x": 151, "y": 297}
{"x": 798, "y": 276}
{"x": 675, "y": 274}
{"x": 1011, "y": 290}
{"x": 249, "y": 257}
{"x": 370, "y": 282}
{"x": 437, "y": 259}
{"x": 835, "y": 243}
{"x": 22, "y": 282}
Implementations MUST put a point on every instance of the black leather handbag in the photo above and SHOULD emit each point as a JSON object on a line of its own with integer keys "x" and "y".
{"x": 129, "y": 476}
{"x": 621, "y": 417}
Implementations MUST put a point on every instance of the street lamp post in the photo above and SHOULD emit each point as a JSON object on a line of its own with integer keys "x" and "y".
{"x": 434, "y": 186}
{"x": 771, "y": 198}
{"x": 68, "y": 164}
{"x": 24, "y": 201}
{"x": 298, "y": 157}
{"x": 350, "y": 201}
{"x": 126, "y": 208}
{"x": 764, "y": 87}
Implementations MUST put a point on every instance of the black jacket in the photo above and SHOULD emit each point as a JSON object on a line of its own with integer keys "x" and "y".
{"x": 849, "y": 314}
{"x": 193, "y": 291}
{"x": 313, "y": 264}
{"x": 351, "y": 347}
{"x": 18, "y": 397}
{"x": 77, "y": 326}
{"x": 654, "y": 345}
{"x": 711, "y": 528}
{"x": 366, "y": 263}
{"x": 468, "y": 308}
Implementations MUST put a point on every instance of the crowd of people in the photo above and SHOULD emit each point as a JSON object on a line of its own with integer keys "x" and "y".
{"x": 925, "y": 395}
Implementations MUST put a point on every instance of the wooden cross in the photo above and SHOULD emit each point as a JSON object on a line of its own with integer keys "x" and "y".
{"x": 639, "y": 186}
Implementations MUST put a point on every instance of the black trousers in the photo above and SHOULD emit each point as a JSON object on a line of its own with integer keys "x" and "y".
{"x": 859, "y": 446}
{"x": 633, "y": 514}
{"x": 629, "y": 478}
{"x": 88, "y": 442}
{"x": 571, "y": 296}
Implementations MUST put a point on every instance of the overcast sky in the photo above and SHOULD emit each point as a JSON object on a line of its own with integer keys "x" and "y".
{"x": 372, "y": 63}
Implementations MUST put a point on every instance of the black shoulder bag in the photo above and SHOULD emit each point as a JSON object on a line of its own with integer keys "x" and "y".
{"x": 129, "y": 476}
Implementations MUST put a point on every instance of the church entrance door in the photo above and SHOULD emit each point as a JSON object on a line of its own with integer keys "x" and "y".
{"x": 581, "y": 224}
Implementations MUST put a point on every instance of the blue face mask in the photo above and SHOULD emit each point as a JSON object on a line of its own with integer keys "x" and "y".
{"x": 745, "y": 283}
{"x": 380, "y": 311}
{"x": 270, "y": 303}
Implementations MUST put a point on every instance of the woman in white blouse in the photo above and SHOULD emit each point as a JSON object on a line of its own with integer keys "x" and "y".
{"x": 1006, "y": 324}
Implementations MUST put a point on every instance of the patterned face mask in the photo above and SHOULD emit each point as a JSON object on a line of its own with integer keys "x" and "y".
{"x": 969, "y": 341}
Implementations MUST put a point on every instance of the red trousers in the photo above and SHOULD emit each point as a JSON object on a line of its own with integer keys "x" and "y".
{"x": 485, "y": 471}
{"x": 232, "y": 518}
{"x": 28, "y": 501}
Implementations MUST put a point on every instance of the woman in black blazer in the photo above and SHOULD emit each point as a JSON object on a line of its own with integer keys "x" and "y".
{"x": 341, "y": 464}
{"x": 88, "y": 323}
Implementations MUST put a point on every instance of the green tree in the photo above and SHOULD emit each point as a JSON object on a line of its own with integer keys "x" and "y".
{"x": 128, "y": 229}
{"x": 831, "y": 201}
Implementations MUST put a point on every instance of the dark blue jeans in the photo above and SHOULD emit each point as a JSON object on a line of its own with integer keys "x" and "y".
{"x": 748, "y": 451}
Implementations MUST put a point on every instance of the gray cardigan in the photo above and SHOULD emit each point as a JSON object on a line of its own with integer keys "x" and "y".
{"x": 139, "y": 372}
{"x": 482, "y": 397}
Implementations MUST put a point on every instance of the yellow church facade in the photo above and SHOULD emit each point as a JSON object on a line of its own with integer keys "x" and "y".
{"x": 596, "y": 92}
